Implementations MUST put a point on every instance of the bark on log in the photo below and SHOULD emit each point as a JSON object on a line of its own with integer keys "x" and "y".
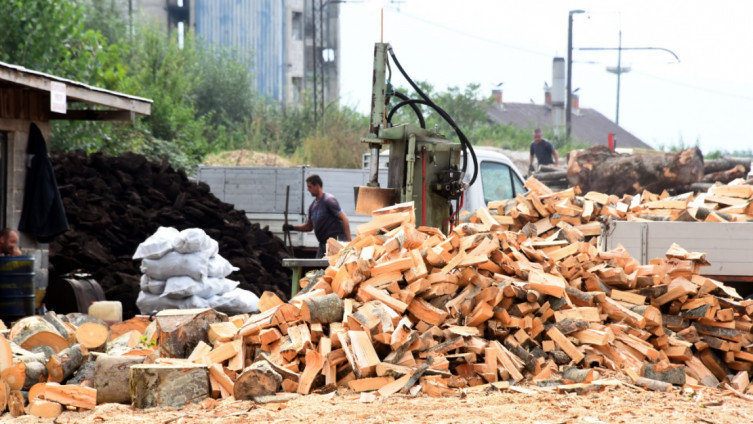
{"x": 111, "y": 378}
{"x": 598, "y": 169}
{"x": 168, "y": 385}
{"x": 722, "y": 164}
{"x": 672, "y": 375}
{"x": 738, "y": 171}
{"x": 258, "y": 379}
{"x": 181, "y": 330}
{"x": 16, "y": 404}
{"x": 35, "y": 373}
{"x": 322, "y": 309}
{"x": 655, "y": 385}
{"x": 33, "y": 331}
{"x": 84, "y": 376}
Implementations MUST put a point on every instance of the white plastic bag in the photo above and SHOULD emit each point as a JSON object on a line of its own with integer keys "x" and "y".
{"x": 150, "y": 304}
{"x": 237, "y": 301}
{"x": 181, "y": 287}
{"x": 158, "y": 244}
{"x": 220, "y": 267}
{"x": 193, "y": 240}
{"x": 174, "y": 264}
{"x": 151, "y": 286}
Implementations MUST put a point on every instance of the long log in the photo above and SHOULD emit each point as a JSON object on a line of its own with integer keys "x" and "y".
{"x": 598, "y": 169}
{"x": 112, "y": 376}
{"x": 725, "y": 163}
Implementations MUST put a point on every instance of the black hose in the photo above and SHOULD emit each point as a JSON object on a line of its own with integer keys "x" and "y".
{"x": 415, "y": 108}
{"x": 412, "y": 103}
{"x": 464, "y": 143}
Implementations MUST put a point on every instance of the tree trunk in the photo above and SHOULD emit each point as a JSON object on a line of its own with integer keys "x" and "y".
{"x": 111, "y": 377}
{"x": 168, "y": 385}
{"x": 259, "y": 379}
{"x": 598, "y": 169}
{"x": 738, "y": 171}
{"x": 723, "y": 164}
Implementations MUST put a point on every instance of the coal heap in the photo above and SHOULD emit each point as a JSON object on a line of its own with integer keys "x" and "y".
{"x": 114, "y": 203}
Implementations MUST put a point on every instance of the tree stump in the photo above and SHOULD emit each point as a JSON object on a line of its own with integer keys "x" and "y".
{"x": 33, "y": 331}
{"x": 258, "y": 379}
{"x": 180, "y": 330}
{"x": 598, "y": 169}
{"x": 168, "y": 385}
{"x": 111, "y": 378}
{"x": 322, "y": 309}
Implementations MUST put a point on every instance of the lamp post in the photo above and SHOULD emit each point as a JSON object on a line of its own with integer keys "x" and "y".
{"x": 568, "y": 100}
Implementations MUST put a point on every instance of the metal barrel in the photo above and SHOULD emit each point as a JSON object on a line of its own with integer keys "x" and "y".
{"x": 17, "y": 295}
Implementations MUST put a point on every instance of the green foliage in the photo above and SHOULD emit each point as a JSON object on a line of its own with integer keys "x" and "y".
{"x": 338, "y": 144}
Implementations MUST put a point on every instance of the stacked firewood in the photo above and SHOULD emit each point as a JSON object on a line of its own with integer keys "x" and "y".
{"x": 579, "y": 216}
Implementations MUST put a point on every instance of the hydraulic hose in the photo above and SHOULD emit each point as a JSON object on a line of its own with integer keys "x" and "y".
{"x": 465, "y": 144}
{"x": 413, "y": 106}
{"x": 412, "y": 103}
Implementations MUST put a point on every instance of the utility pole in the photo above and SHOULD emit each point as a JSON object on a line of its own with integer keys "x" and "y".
{"x": 568, "y": 97}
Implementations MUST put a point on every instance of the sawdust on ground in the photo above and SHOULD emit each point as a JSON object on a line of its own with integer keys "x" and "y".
{"x": 624, "y": 404}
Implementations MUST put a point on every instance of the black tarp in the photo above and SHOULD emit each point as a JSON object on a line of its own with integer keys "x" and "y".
{"x": 43, "y": 214}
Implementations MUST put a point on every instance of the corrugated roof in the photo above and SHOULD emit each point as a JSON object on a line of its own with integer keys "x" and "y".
{"x": 587, "y": 125}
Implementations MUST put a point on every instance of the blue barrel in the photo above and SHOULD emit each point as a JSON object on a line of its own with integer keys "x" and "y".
{"x": 17, "y": 296}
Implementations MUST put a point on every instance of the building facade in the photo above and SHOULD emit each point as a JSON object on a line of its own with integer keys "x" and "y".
{"x": 291, "y": 43}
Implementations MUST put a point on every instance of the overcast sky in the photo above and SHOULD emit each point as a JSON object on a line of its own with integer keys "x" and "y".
{"x": 707, "y": 97}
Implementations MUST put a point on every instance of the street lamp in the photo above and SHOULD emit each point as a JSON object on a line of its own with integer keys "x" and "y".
{"x": 568, "y": 100}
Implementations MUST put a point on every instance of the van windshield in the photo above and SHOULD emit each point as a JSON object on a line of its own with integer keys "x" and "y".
{"x": 499, "y": 182}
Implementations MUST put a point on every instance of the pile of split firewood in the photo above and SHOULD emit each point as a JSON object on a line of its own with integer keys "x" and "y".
{"x": 516, "y": 294}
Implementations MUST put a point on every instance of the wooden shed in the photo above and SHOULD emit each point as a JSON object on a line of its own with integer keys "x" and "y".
{"x": 29, "y": 97}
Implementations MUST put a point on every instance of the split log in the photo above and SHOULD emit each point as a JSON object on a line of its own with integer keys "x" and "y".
{"x": 73, "y": 395}
{"x": 111, "y": 377}
{"x": 598, "y": 169}
{"x": 168, "y": 385}
{"x": 181, "y": 330}
{"x": 672, "y": 374}
{"x": 322, "y": 309}
{"x": 258, "y": 379}
{"x": 45, "y": 408}
{"x": 16, "y": 404}
{"x": 4, "y": 395}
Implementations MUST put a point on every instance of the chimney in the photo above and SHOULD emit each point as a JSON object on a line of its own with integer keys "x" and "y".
{"x": 497, "y": 95}
{"x": 548, "y": 96}
{"x": 557, "y": 95}
{"x": 575, "y": 99}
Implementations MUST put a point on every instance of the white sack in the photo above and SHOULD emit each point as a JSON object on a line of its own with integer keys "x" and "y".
{"x": 220, "y": 267}
{"x": 158, "y": 244}
{"x": 151, "y": 286}
{"x": 237, "y": 301}
{"x": 150, "y": 304}
{"x": 174, "y": 264}
{"x": 182, "y": 287}
{"x": 194, "y": 240}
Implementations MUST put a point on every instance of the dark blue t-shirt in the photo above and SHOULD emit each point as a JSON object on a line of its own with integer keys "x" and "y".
{"x": 543, "y": 151}
{"x": 323, "y": 214}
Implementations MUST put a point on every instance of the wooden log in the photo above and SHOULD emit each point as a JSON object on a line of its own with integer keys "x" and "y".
{"x": 314, "y": 364}
{"x": 33, "y": 331}
{"x": 35, "y": 373}
{"x": 112, "y": 376}
{"x": 62, "y": 365}
{"x": 577, "y": 375}
{"x": 668, "y": 373}
{"x": 258, "y": 379}
{"x": 180, "y": 330}
{"x": 168, "y": 385}
{"x": 598, "y": 169}
{"x": 45, "y": 408}
{"x": 15, "y": 375}
{"x": 72, "y": 395}
{"x": 655, "y": 385}
{"x": 6, "y": 354}
{"x": 16, "y": 404}
{"x": 322, "y": 309}
{"x": 84, "y": 376}
{"x": 59, "y": 325}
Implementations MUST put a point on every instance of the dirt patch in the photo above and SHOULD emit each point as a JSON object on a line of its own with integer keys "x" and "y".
{"x": 246, "y": 158}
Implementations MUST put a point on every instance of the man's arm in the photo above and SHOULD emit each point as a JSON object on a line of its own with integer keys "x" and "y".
{"x": 346, "y": 225}
{"x": 308, "y": 226}
{"x": 556, "y": 156}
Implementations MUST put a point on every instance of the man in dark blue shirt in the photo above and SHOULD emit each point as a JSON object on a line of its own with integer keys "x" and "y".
{"x": 543, "y": 150}
{"x": 326, "y": 217}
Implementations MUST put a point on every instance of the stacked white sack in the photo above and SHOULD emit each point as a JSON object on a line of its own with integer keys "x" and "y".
{"x": 183, "y": 269}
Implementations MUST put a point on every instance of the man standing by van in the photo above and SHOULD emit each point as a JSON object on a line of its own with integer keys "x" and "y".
{"x": 543, "y": 150}
{"x": 326, "y": 217}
